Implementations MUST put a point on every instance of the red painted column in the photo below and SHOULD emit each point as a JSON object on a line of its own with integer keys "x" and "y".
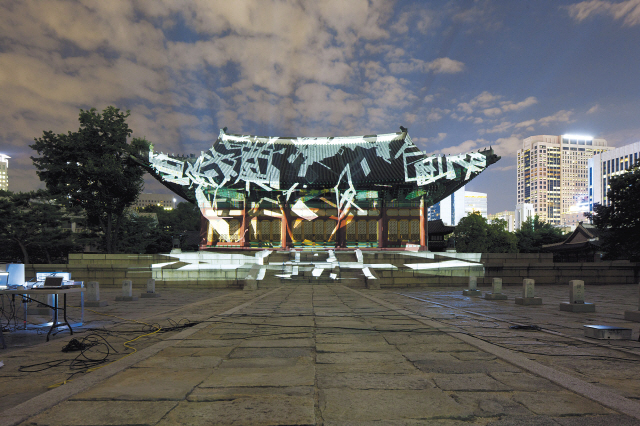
{"x": 341, "y": 233}
{"x": 284, "y": 227}
{"x": 383, "y": 232}
{"x": 244, "y": 241}
{"x": 424, "y": 225}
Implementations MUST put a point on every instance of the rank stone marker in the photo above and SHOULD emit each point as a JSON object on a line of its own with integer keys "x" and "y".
{"x": 496, "y": 291}
{"x": 528, "y": 294}
{"x": 576, "y": 299}
{"x": 151, "y": 289}
{"x": 127, "y": 292}
{"x": 473, "y": 288}
{"x": 634, "y": 315}
{"x": 93, "y": 296}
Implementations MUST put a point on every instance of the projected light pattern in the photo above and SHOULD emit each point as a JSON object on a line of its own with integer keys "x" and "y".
{"x": 274, "y": 172}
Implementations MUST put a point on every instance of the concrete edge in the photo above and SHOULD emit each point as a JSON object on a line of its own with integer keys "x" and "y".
{"x": 601, "y": 395}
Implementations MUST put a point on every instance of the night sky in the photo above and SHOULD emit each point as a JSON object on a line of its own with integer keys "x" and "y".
{"x": 461, "y": 75}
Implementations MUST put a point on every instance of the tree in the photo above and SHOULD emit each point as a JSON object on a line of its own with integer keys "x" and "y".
{"x": 471, "y": 234}
{"x": 475, "y": 235}
{"x": 500, "y": 240}
{"x": 177, "y": 223}
{"x": 137, "y": 233}
{"x": 33, "y": 222}
{"x": 620, "y": 220}
{"x": 534, "y": 233}
{"x": 93, "y": 169}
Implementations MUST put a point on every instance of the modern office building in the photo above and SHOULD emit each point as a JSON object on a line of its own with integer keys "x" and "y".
{"x": 552, "y": 173}
{"x": 604, "y": 166}
{"x": 475, "y": 202}
{"x": 507, "y": 216}
{"x": 451, "y": 209}
{"x": 457, "y": 205}
{"x": 523, "y": 212}
{"x": 4, "y": 172}
{"x": 166, "y": 201}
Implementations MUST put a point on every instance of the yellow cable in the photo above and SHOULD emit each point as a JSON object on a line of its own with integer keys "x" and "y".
{"x": 126, "y": 344}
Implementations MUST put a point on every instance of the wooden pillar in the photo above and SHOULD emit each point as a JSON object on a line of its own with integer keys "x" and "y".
{"x": 284, "y": 227}
{"x": 341, "y": 232}
{"x": 383, "y": 231}
{"x": 424, "y": 223}
{"x": 204, "y": 230}
{"x": 244, "y": 241}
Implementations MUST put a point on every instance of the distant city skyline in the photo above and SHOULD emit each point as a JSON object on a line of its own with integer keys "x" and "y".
{"x": 461, "y": 75}
{"x": 553, "y": 175}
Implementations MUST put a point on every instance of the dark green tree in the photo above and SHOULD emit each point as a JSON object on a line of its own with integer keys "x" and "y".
{"x": 34, "y": 222}
{"x": 474, "y": 234}
{"x": 500, "y": 240}
{"x": 620, "y": 220}
{"x": 534, "y": 233}
{"x": 93, "y": 169}
{"x": 177, "y": 223}
{"x": 471, "y": 234}
{"x": 137, "y": 233}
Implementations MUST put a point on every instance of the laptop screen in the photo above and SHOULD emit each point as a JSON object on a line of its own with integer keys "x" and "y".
{"x": 53, "y": 281}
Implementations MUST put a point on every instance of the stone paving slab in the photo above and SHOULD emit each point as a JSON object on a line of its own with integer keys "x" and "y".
{"x": 344, "y": 405}
{"x": 292, "y": 410}
{"x": 104, "y": 413}
{"x": 326, "y": 354}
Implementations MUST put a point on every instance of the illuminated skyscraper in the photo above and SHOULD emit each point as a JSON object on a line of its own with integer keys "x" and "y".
{"x": 603, "y": 167}
{"x": 553, "y": 173}
{"x": 4, "y": 172}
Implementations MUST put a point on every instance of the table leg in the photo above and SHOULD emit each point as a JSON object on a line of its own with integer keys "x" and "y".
{"x": 64, "y": 313}
{"x": 55, "y": 315}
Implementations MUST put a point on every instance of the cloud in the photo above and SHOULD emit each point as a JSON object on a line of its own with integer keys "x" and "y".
{"x": 437, "y": 66}
{"x": 465, "y": 107}
{"x": 435, "y": 114}
{"x": 594, "y": 109}
{"x": 499, "y": 128}
{"x": 510, "y": 106}
{"x": 445, "y": 66}
{"x": 527, "y": 123}
{"x": 506, "y": 147}
{"x": 490, "y": 112}
{"x": 491, "y": 104}
{"x": 503, "y": 169}
{"x": 466, "y": 146}
{"x": 628, "y": 11}
{"x": 561, "y": 116}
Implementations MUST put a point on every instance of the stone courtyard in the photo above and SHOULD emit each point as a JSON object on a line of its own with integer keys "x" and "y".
{"x": 333, "y": 355}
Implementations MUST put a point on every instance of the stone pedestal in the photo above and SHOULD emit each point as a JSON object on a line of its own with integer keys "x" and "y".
{"x": 473, "y": 288}
{"x": 92, "y": 296}
{"x": 577, "y": 307}
{"x": 496, "y": 293}
{"x": 127, "y": 292}
{"x": 151, "y": 289}
{"x": 39, "y": 308}
{"x": 251, "y": 280}
{"x": 632, "y": 316}
{"x": 528, "y": 294}
{"x": 576, "y": 299}
{"x": 527, "y": 301}
{"x": 495, "y": 296}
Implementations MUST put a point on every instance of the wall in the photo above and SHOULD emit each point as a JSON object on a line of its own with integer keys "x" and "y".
{"x": 111, "y": 270}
